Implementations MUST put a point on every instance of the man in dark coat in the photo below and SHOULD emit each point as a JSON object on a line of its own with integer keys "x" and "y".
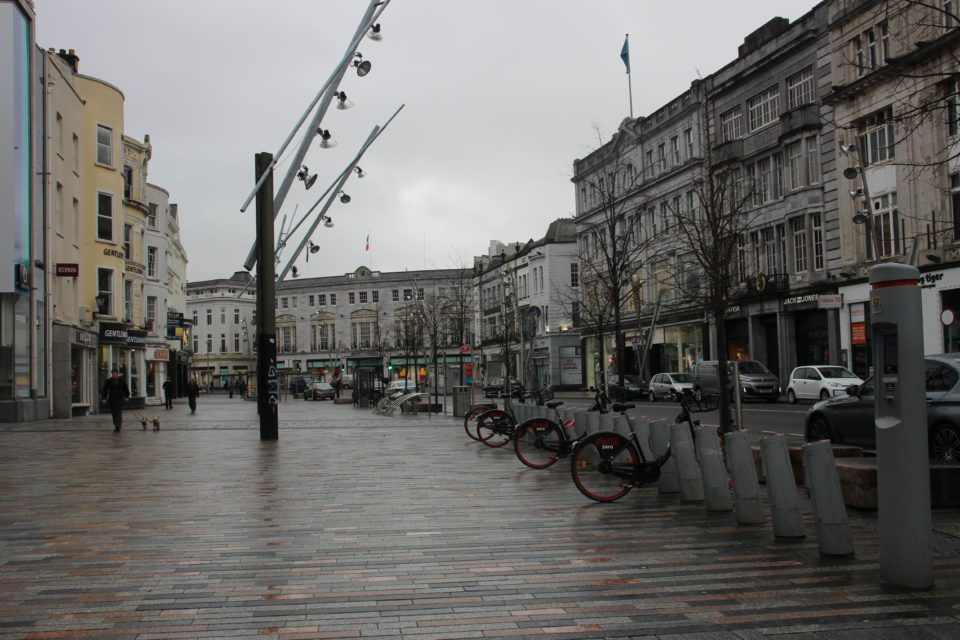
{"x": 193, "y": 390}
{"x": 168, "y": 393}
{"x": 115, "y": 393}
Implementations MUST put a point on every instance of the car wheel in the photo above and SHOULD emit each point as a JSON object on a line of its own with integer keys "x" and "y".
{"x": 651, "y": 396}
{"x": 945, "y": 443}
{"x": 819, "y": 429}
{"x": 791, "y": 396}
{"x": 824, "y": 394}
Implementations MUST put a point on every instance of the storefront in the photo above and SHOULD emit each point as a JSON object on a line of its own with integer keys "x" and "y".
{"x": 123, "y": 348}
{"x": 74, "y": 377}
{"x": 675, "y": 348}
{"x": 158, "y": 359}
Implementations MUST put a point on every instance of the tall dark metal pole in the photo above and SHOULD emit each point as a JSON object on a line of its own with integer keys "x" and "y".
{"x": 267, "y": 389}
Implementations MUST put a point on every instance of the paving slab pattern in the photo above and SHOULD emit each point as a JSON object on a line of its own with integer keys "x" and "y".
{"x": 354, "y": 526}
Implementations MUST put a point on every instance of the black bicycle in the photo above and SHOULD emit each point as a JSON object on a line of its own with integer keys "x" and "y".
{"x": 607, "y": 465}
{"x": 540, "y": 442}
{"x": 471, "y": 417}
{"x": 495, "y": 427}
{"x": 691, "y": 403}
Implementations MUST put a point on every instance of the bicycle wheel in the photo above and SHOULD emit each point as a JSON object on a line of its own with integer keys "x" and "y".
{"x": 538, "y": 443}
{"x": 495, "y": 427}
{"x": 470, "y": 421}
{"x": 602, "y": 466}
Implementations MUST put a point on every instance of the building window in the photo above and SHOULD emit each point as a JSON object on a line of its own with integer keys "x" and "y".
{"x": 209, "y": 317}
{"x": 105, "y": 291}
{"x": 764, "y": 108}
{"x": 127, "y": 238}
{"x": 741, "y": 258}
{"x": 886, "y": 222}
{"x": 419, "y": 294}
{"x": 407, "y": 295}
{"x": 376, "y": 296}
{"x": 284, "y": 303}
{"x": 223, "y": 343}
{"x": 104, "y": 216}
{"x": 127, "y": 182}
{"x": 396, "y": 295}
{"x": 675, "y": 147}
{"x": 195, "y": 318}
{"x": 730, "y": 125}
{"x": 875, "y": 134}
{"x": 152, "y": 216}
{"x": 363, "y": 297}
{"x": 152, "y": 262}
{"x": 649, "y": 166}
{"x": 574, "y": 275}
{"x": 104, "y": 145}
{"x": 799, "y": 229}
{"x": 295, "y": 301}
{"x": 236, "y": 343}
{"x": 321, "y": 299}
{"x": 662, "y": 156}
{"x": 813, "y": 159}
{"x": 352, "y": 298}
{"x": 333, "y": 299}
{"x": 209, "y": 343}
{"x": 816, "y": 224}
{"x": 236, "y": 316}
{"x": 223, "y": 315}
{"x": 800, "y": 88}
{"x": 688, "y": 141}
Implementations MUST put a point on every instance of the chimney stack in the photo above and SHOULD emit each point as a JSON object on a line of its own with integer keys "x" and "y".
{"x": 71, "y": 58}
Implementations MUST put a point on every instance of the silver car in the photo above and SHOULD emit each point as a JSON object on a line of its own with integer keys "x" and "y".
{"x": 849, "y": 419}
{"x": 669, "y": 385}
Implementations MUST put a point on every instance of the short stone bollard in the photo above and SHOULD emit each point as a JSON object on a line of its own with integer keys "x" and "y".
{"x": 746, "y": 487}
{"x": 606, "y": 422}
{"x": 782, "y": 488}
{"x": 659, "y": 441}
{"x": 716, "y": 484}
{"x": 593, "y": 422}
{"x": 688, "y": 471}
{"x": 820, "y": 476}
{"x": 621, "y": 425}
{"x": 581, "y": 423}
{"x": 642, "y": 429}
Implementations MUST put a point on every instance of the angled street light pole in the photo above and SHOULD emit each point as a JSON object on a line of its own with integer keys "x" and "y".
{"x": 267, "y": 388}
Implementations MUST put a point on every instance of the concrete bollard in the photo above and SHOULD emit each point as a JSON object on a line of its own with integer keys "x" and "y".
{"x": 659, "y": 441}
{"x": 621, "y": 425}
{"x": 820, "y": 475}
{"x": 746, "y": 487}
{"x": 688, "y": 471}
{"x": 716, "y": 484}
{"x": 581, "y": 423}
{"x": 520, "y": 411}
{"x": 606, "y": 421}
{"x": 782, "y": 488}
{"x": 593, "y": 422}
{"x": 642, "y": 429}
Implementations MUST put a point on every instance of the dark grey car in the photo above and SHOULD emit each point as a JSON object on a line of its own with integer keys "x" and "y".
{"x": 849, "y": 419}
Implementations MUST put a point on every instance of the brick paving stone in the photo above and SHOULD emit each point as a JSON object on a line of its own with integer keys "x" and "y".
{"x": 358, "y": 526}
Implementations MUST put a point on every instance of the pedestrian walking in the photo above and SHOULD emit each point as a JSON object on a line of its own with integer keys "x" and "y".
{"x": 115, "y": 393}
{"x": 243, "y": 390}
{"x": 193, "y": 390}
{"x": 168, "y": 393}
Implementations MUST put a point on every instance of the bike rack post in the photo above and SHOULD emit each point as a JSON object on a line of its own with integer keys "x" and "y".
{"x": 659, "y": 441}
{"x": 621, "y": 425}
{"x": 746, "y": 487}
{"x": 716, "y": 484}
{"x": 820, "y": 473}
{"x": 782, "y": 488}
{"x": 642, "y": 429}
{"x": 688, "y": 471}
{"x": 581, "y": 424}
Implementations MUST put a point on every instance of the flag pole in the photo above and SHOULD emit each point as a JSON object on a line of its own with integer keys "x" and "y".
{"x": 625, "y": 54}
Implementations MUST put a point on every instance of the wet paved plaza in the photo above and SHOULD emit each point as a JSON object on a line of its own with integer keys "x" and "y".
{"x": 354, "y": 525}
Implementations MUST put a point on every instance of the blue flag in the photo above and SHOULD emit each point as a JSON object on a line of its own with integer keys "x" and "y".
{"x": 625, "y": 53}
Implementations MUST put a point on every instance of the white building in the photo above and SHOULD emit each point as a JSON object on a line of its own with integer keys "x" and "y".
{"x": 222, "y": 314}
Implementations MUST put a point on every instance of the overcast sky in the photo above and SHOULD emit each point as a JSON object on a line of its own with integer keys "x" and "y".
{"x": 501, "y": 97}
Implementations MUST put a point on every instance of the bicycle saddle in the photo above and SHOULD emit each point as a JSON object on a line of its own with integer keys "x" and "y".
{"x": 553, "y": 404}
{"x": 620, "y": 408}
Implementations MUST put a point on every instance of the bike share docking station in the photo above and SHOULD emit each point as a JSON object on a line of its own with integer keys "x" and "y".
{"x": 903, "y": 465}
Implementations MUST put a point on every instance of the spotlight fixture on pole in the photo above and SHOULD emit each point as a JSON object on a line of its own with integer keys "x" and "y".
{"x": 360, "y": 172}
{"x": 326, "y": 139}
{"x": 305, "y": 177}
{"x": 328, "y": 222}
{"x": 362, "y": 66}
{"x": 863, "y": 215}
{"x": 344, "y": 198}
{"x": 294, "y": 272}
{"x": 374, "y": 33}
{"x": 342, "y": 101}
{"x": 313, "y": 247}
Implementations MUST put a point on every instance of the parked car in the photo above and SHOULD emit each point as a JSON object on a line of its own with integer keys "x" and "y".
{"x": 669, "y": 385}
{"x": 299, "y": 384}
{"x": 401, "y": 386}
{"x": 494, "y": 388}
{"x": 319, "y": 391}
{"x": 346, "y": 381}
{"x": 819, "y": 382}
{"x": 849, "y": 419}
{"x": 632, "y": 387}
{"x": 756, "y": 381}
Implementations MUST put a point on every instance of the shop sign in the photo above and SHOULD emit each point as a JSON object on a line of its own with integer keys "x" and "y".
{"x": 134, "y": 267}
{"x": 174, "y": 325}
{"x": 858, "y": 333}
{"x": 118, "y": 334}
{"x": 68, "y": 269}
{"x": 158, "y": 354}
{"x": 931, "y": 280}
{"x": 858, "y": 312}
{"x": 115, "y": 253}
{"x": 811, "y": 297}
{"x": 830, "y": 301}
{"x": 85, "y": 338}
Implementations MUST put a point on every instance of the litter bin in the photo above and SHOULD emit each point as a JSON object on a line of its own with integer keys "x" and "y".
{"x": 461, "y": 400}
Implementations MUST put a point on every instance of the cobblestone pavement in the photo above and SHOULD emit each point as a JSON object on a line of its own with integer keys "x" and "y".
{"x": 354, "y": 525}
